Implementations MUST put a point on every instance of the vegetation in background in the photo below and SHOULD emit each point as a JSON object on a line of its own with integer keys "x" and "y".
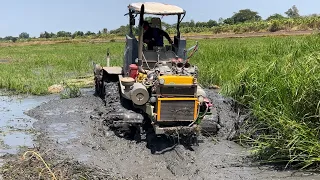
{"x": 243, "y": 21}
{"x": 32, "y": 69}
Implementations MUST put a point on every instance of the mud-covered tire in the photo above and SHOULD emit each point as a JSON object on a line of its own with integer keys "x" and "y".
{"x": 210, "y": 124}
{"x": 120, "y": 105}
{"x": 96, "y": 88}
{"x": 99, "y": 88}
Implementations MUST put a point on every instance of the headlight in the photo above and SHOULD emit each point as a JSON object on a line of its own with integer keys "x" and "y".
{"x": 161, "y": 81}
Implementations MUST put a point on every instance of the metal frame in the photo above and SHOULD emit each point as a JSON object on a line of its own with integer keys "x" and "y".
{"x": 133, "y": 14}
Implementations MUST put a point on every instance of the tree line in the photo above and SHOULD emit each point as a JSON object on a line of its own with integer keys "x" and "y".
{"x": 240, "y": 17}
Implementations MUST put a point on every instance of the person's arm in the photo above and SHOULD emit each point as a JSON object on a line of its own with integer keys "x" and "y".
{"x": 165, "y": 34}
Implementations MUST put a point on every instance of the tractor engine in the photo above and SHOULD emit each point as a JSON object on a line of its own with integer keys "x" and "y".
{"x": 169, "y": 94}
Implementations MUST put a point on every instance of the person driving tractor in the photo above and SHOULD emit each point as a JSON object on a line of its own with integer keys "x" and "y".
{"x": 154, "y": 36}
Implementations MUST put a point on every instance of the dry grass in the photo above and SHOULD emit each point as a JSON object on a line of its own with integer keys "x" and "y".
{"x": 44, "y": 164}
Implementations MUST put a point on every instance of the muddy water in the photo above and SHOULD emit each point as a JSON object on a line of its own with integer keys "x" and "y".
{"x": 68, "y": 128}
{"x": 16, "y": 128}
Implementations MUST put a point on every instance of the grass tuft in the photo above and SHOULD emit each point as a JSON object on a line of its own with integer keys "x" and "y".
{"x": 70, "y": 91}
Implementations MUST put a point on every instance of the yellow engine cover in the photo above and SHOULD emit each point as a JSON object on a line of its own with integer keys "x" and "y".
{"x": 177, "y": 80}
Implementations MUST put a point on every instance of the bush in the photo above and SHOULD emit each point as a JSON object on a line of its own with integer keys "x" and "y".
{"x": 71, "y": 91}
{"x": 274, "y": 26}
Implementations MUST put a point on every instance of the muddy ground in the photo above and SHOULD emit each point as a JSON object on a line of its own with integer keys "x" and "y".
{"x": 75, "y": 143}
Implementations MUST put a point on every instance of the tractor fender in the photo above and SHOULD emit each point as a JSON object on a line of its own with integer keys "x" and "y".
{"x": 116, "y": 70}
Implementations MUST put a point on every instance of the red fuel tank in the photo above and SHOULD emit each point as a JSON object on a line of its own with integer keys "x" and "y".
{"x": 133, "y": 71}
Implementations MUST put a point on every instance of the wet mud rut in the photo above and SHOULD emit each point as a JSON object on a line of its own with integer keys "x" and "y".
{"x": 73, "y": 129}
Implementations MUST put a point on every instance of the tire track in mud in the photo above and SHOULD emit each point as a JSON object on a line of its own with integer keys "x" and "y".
{"x": 74, "y": 128}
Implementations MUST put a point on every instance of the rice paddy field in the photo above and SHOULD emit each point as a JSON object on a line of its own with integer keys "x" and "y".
{"x": 278, "y": 78}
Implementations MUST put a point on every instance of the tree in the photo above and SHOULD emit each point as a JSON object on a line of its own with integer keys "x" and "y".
{"x": 52, "y": 35}
{"x": 314, "y": 15}
{"x": 77, "y": 34}
{"x": 192, "y": 23}
{"x": 148, "y": 18}
{"x": 64, "y": 34}
{"x": 245, "y": 15}
{"x": 24, "y": 35}
{"x": 165, "y": 25}
{"x": 293, "y": 12}
{"x": 104, "y": 30}
{"x": 45, "y": 35}
{"x": 89, "y": 33}
{"x": 14, "y": 39}
{"x": 122, "y": 30}
{"x": 275, "y": 16}
{"x": 220, "y": 21}
{"x": 212, "y": 23}
{"x": 201, "y": 24}
{"x": 229, "y": 21}
{"x": 10, "y": 38}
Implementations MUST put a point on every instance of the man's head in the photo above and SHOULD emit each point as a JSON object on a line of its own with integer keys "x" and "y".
{"x": 145, "y": 25}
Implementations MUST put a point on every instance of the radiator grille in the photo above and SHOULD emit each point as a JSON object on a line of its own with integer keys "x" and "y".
{"x": 177, "y": 110}
{"x": 177, "y": 91}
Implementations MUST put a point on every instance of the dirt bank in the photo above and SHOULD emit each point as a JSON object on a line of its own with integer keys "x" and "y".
{"x": 81, "y": 146}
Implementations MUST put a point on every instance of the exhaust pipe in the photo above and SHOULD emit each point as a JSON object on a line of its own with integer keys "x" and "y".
{"x": 140, "y": 68}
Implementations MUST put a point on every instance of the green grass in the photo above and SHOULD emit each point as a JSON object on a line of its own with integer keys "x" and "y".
{"x": 32, "y": 69}
{"x": 277, "y": 77}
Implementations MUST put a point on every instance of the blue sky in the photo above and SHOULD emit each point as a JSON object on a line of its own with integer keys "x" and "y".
{"x": 36, "y": 16}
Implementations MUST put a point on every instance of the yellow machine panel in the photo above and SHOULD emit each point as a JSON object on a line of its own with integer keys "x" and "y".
{"x": 177, "y": 109}
{"x": 177, "y": 80}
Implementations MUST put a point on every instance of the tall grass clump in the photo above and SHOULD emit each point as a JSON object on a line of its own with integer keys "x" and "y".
{"x": 278, "y": 78}
{"x": 284, "y": 95}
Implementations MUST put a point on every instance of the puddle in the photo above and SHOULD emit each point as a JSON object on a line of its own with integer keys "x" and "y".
{"x": 15, "y": 126}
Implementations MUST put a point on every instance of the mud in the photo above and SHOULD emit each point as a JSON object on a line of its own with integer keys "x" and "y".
{"x": 73, "y": 137}
{"x": 15, "y": 127}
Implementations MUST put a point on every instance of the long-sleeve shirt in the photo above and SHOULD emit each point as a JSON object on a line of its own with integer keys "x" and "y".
{"x": 155, "y": 37}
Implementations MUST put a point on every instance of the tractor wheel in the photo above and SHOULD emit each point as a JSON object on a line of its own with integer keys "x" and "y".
{"x": 210, "y": 124}
{"x": 99, "y": 88}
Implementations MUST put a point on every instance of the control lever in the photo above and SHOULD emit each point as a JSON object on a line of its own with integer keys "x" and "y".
{"x": 194, "y": 48}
